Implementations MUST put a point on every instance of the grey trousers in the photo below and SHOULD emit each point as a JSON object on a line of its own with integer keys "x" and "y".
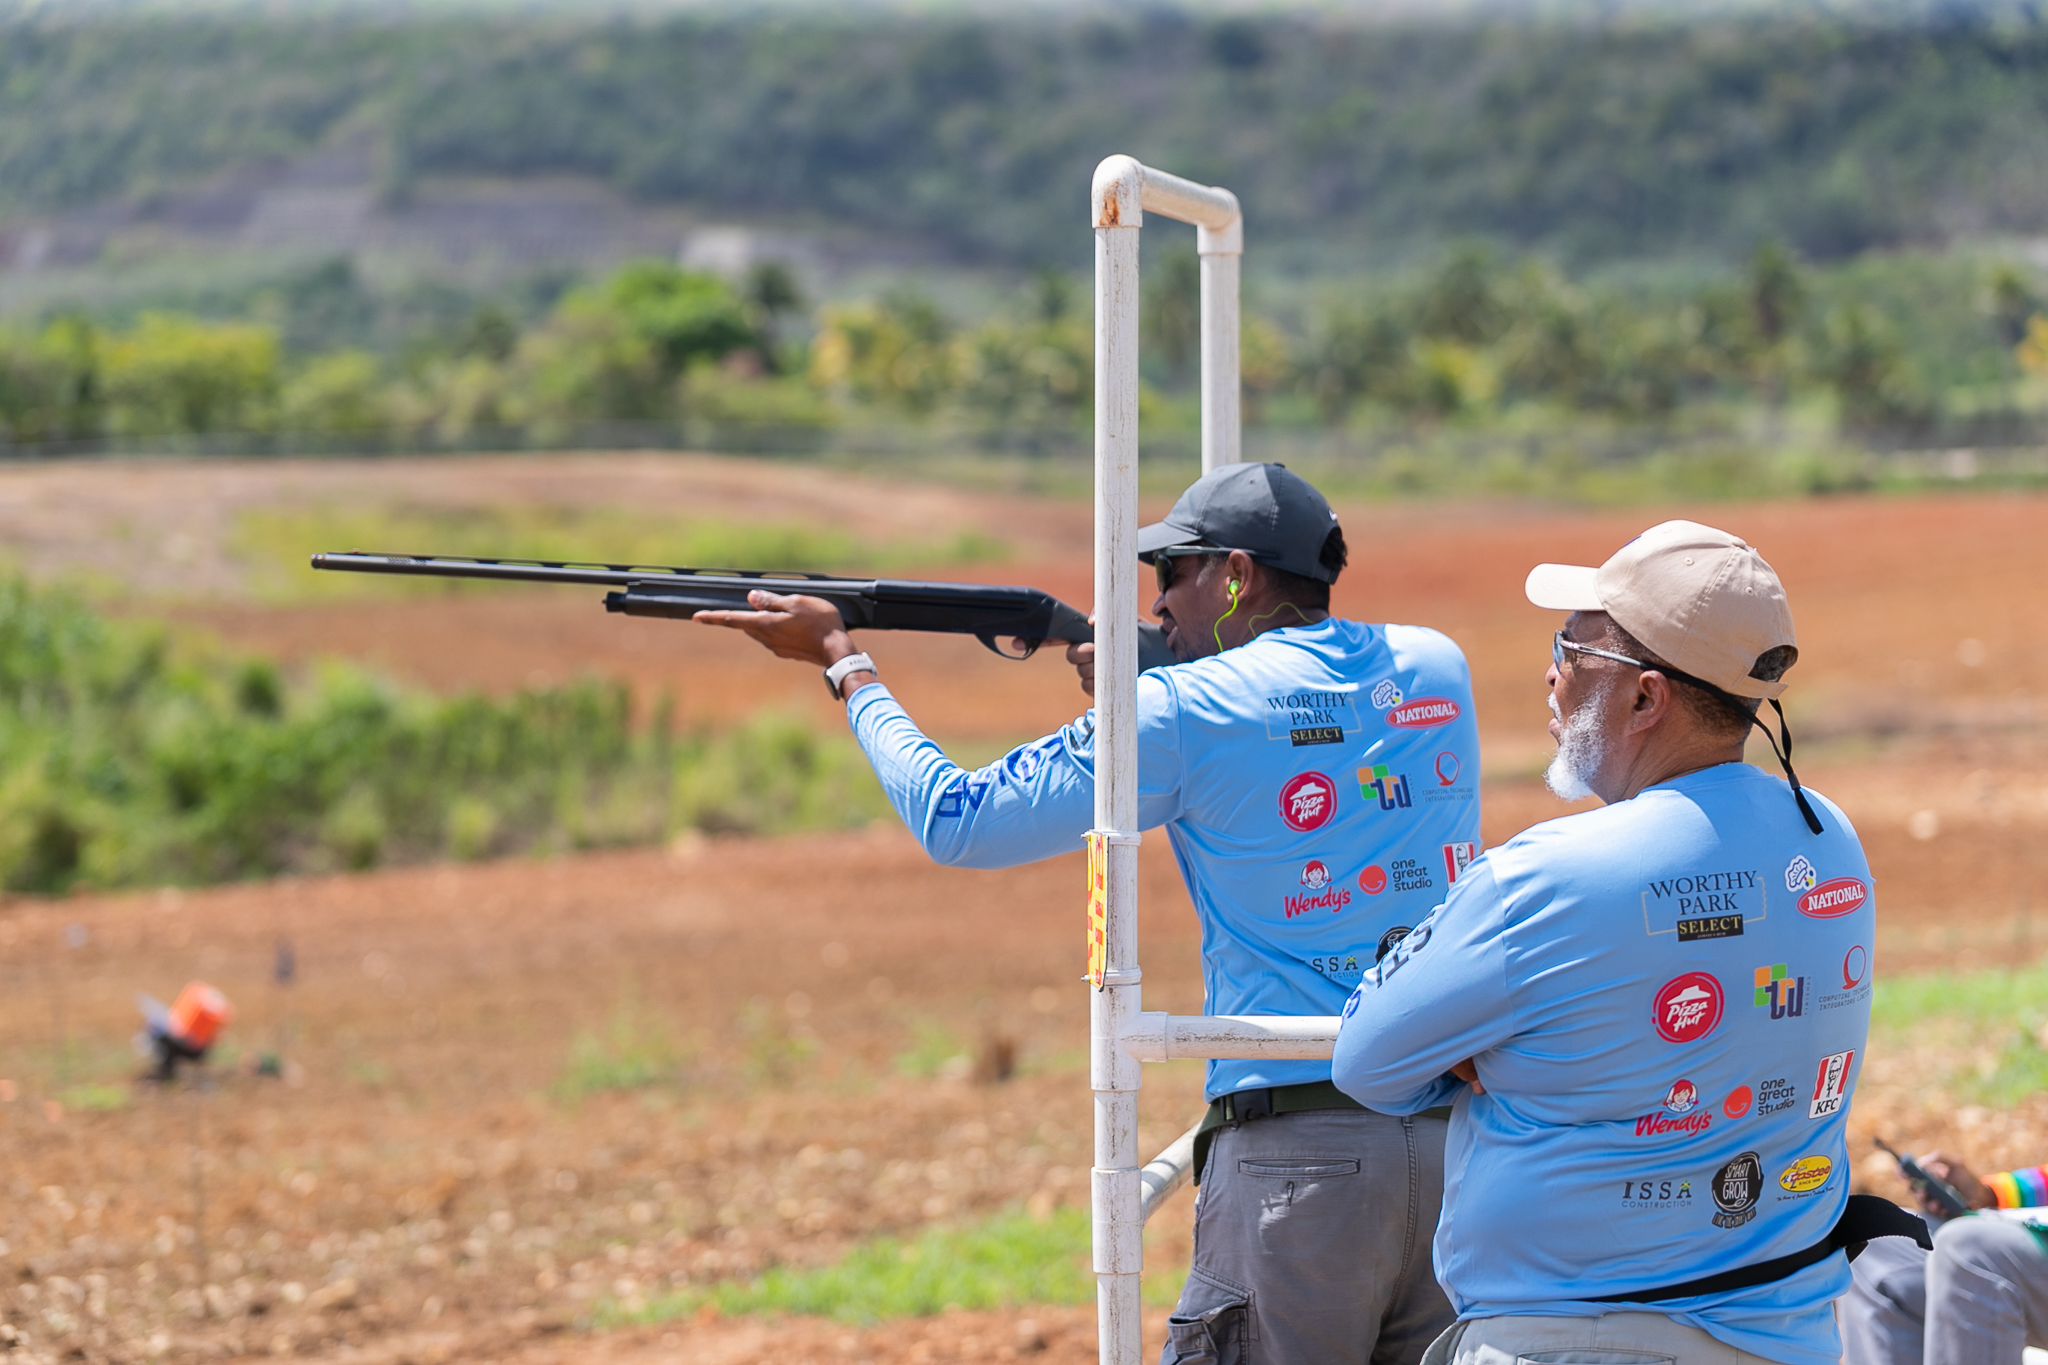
{"x": 1312, "y": 1236}
{"x": 1619, "y": 1338}
{"x": 1978, "y": 1299}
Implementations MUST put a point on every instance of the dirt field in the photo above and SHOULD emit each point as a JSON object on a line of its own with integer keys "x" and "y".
{"x": 425, "y": 1184}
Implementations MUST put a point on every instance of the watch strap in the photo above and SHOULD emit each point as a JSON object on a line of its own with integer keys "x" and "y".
{"x": 839, "y": 672}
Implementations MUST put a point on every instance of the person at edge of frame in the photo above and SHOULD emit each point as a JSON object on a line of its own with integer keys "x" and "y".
{"x": 1318, "y": 782}
{"x": 1980, "y": 1296}
{"x": 1648, "y": 1017}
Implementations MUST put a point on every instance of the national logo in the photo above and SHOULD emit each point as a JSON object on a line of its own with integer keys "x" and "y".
{"x": 1830, "y": 1084}
{"x": 1307, "y": 801}
{"x": 1688, "y": 1008}
{"x": 1315, "y": 874}
{"x": 1806, "y": 1175}
{"x": 1373, "y": 880}
{"x": 1424, "y": 713}
{"x": 1737, "y": 1103}
{"x": 1833, "y": 899}
{"x": 1386, "y": 787}
{"x": 1458, "y": 857}
{"x": 1784, "y": 993}
{"x": 1736, "y": 1187}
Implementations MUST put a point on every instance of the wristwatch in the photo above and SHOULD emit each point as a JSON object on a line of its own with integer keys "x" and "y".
{"x": 837, "y": 673}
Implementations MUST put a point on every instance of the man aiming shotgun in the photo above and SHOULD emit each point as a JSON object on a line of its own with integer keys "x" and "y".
{"x": 1318, "y": 780}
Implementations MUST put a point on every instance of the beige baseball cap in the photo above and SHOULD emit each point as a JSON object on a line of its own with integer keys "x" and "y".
{"x": 1702, "y": 599}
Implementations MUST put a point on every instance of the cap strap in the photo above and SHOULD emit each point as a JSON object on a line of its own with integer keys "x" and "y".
{"x": 1785, "y": 761}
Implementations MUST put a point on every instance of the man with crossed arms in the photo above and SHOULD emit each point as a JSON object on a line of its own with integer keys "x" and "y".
{"x": 1318, "y": 781}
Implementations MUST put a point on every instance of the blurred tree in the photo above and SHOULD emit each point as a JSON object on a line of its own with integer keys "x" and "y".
{"x": 339, "y": 391}
{"x": 1172, "y": 311}
{"x": 177, "y": 374}
{"x": 1461, "y": 302}
{"x": 1863, "y": 360}
{"x": 2010, "y": 299}
{"x": 50, "y": 383}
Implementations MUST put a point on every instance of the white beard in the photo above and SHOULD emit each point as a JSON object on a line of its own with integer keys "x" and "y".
{"x": 1581, "y": 748}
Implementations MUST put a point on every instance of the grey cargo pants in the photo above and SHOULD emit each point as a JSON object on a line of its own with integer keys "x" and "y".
{"x": 1977, "y": 1300}
{"x": 1312, "y": 1235}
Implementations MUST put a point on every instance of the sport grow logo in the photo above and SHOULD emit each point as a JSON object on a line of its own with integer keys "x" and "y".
{"x": 1783, "y": 992}
{"x": 1390, "y": 789}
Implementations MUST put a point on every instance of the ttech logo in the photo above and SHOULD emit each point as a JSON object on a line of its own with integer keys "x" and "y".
{"x": 1784, "y": 993}
{"x": 1388, "y": 788}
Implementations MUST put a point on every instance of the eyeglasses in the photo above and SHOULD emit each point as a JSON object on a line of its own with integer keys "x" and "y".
{"x": 1162, "y": 560}
{"x": 1559, "y": 647}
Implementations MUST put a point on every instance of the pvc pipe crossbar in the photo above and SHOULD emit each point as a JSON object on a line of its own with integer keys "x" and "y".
{"x": 1158, "y": 1037}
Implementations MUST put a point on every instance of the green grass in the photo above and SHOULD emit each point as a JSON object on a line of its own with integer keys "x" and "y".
{"x": 1997, "y": 1017}
{"x": 633, "y": 1053}
{"x": 1003, "y": 1261}
{"x": 275, "y": 544}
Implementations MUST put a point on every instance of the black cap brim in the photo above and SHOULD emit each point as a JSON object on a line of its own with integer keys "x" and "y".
{"x": 1161, "y": 534}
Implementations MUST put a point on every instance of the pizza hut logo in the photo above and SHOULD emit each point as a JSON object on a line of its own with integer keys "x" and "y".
{"x": 1424, "y": 713}
{"x": 1681, "y": 1097}
{"x": 1307, "y": 802}
{"x": 1315, "y": 874}
{"x": 1833, "y": 899}
{"x": 1688, "y": 1007}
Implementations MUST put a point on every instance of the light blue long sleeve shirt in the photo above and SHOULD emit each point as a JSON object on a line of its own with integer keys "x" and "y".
{"x": 1666, "y": 1000}
{"x": 1319, "y": 786}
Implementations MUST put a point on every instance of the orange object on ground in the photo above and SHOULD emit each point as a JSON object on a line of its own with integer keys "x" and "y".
{"x": 199, "y": 1014}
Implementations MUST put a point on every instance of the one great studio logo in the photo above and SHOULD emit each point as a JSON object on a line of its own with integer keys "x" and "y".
{"x": 1313, "y": 717}
{"x": 1710, "y": 903}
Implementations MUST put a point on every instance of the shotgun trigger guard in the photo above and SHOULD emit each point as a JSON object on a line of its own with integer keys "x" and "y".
{"x": 1030, "y": 647}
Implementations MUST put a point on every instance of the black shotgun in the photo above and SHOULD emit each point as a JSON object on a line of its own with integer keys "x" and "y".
{"x": 990, "y": 613}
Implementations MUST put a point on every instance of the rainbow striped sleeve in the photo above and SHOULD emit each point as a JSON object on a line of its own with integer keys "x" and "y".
{"x": 2025, "y": 1188}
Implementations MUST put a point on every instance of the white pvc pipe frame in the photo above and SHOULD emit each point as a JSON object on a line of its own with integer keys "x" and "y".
{"x": 1121, "y": 1035}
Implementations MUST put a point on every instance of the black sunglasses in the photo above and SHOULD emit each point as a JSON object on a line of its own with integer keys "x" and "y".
{"x": 1162, "y": 560}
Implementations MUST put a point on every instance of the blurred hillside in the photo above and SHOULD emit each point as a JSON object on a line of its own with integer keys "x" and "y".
{"x": 1350, "y": 140}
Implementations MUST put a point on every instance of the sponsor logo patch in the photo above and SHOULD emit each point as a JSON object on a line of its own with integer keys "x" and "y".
{"x": 1806, "y": 1175}
{"x": 1373, "y": 880}
{"x": 1784, "y": 993}
{"x": 1702, "y": 905}
{"x": 1737, "y": 1103}
{"x": 1458, "y": 857}
{"x": 1385, "y": 695}
{"x": 1313, "y": 717}
{"x": 1681, "y": 1097}
{"x": 1800, "y": 875}
{"x": 1307, "y": 802}
{"x": 1830, "y": 1084}
{"x": 1775, "y": 1096}
{"x": 1687, "y": 1008}
{"x": 1855, "y": 979}
{"x": 1446, "y": 768}
{"x": 1410, "y": 875}
{"x": 1389, "y": 789}
{"x": 1664, "y": 1125}
{"x": 1833, "y": 899}
{"x": 1736, "y": 1187}
{"x": 1342, "y": 966}
{"x": 1315, "y": 874}
{"x": 1424, "y": 713}
{"x": 1389, "y": 939}
{"x": 1656, "y": 1194}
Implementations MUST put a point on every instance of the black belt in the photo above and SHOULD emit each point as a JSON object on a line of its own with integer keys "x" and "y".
{"x": 1267, "y": 1101}
{"x": 1867, "y": 1217}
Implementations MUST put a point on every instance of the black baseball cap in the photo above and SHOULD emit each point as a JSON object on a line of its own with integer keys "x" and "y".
{"x": 1265, "y": 510}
